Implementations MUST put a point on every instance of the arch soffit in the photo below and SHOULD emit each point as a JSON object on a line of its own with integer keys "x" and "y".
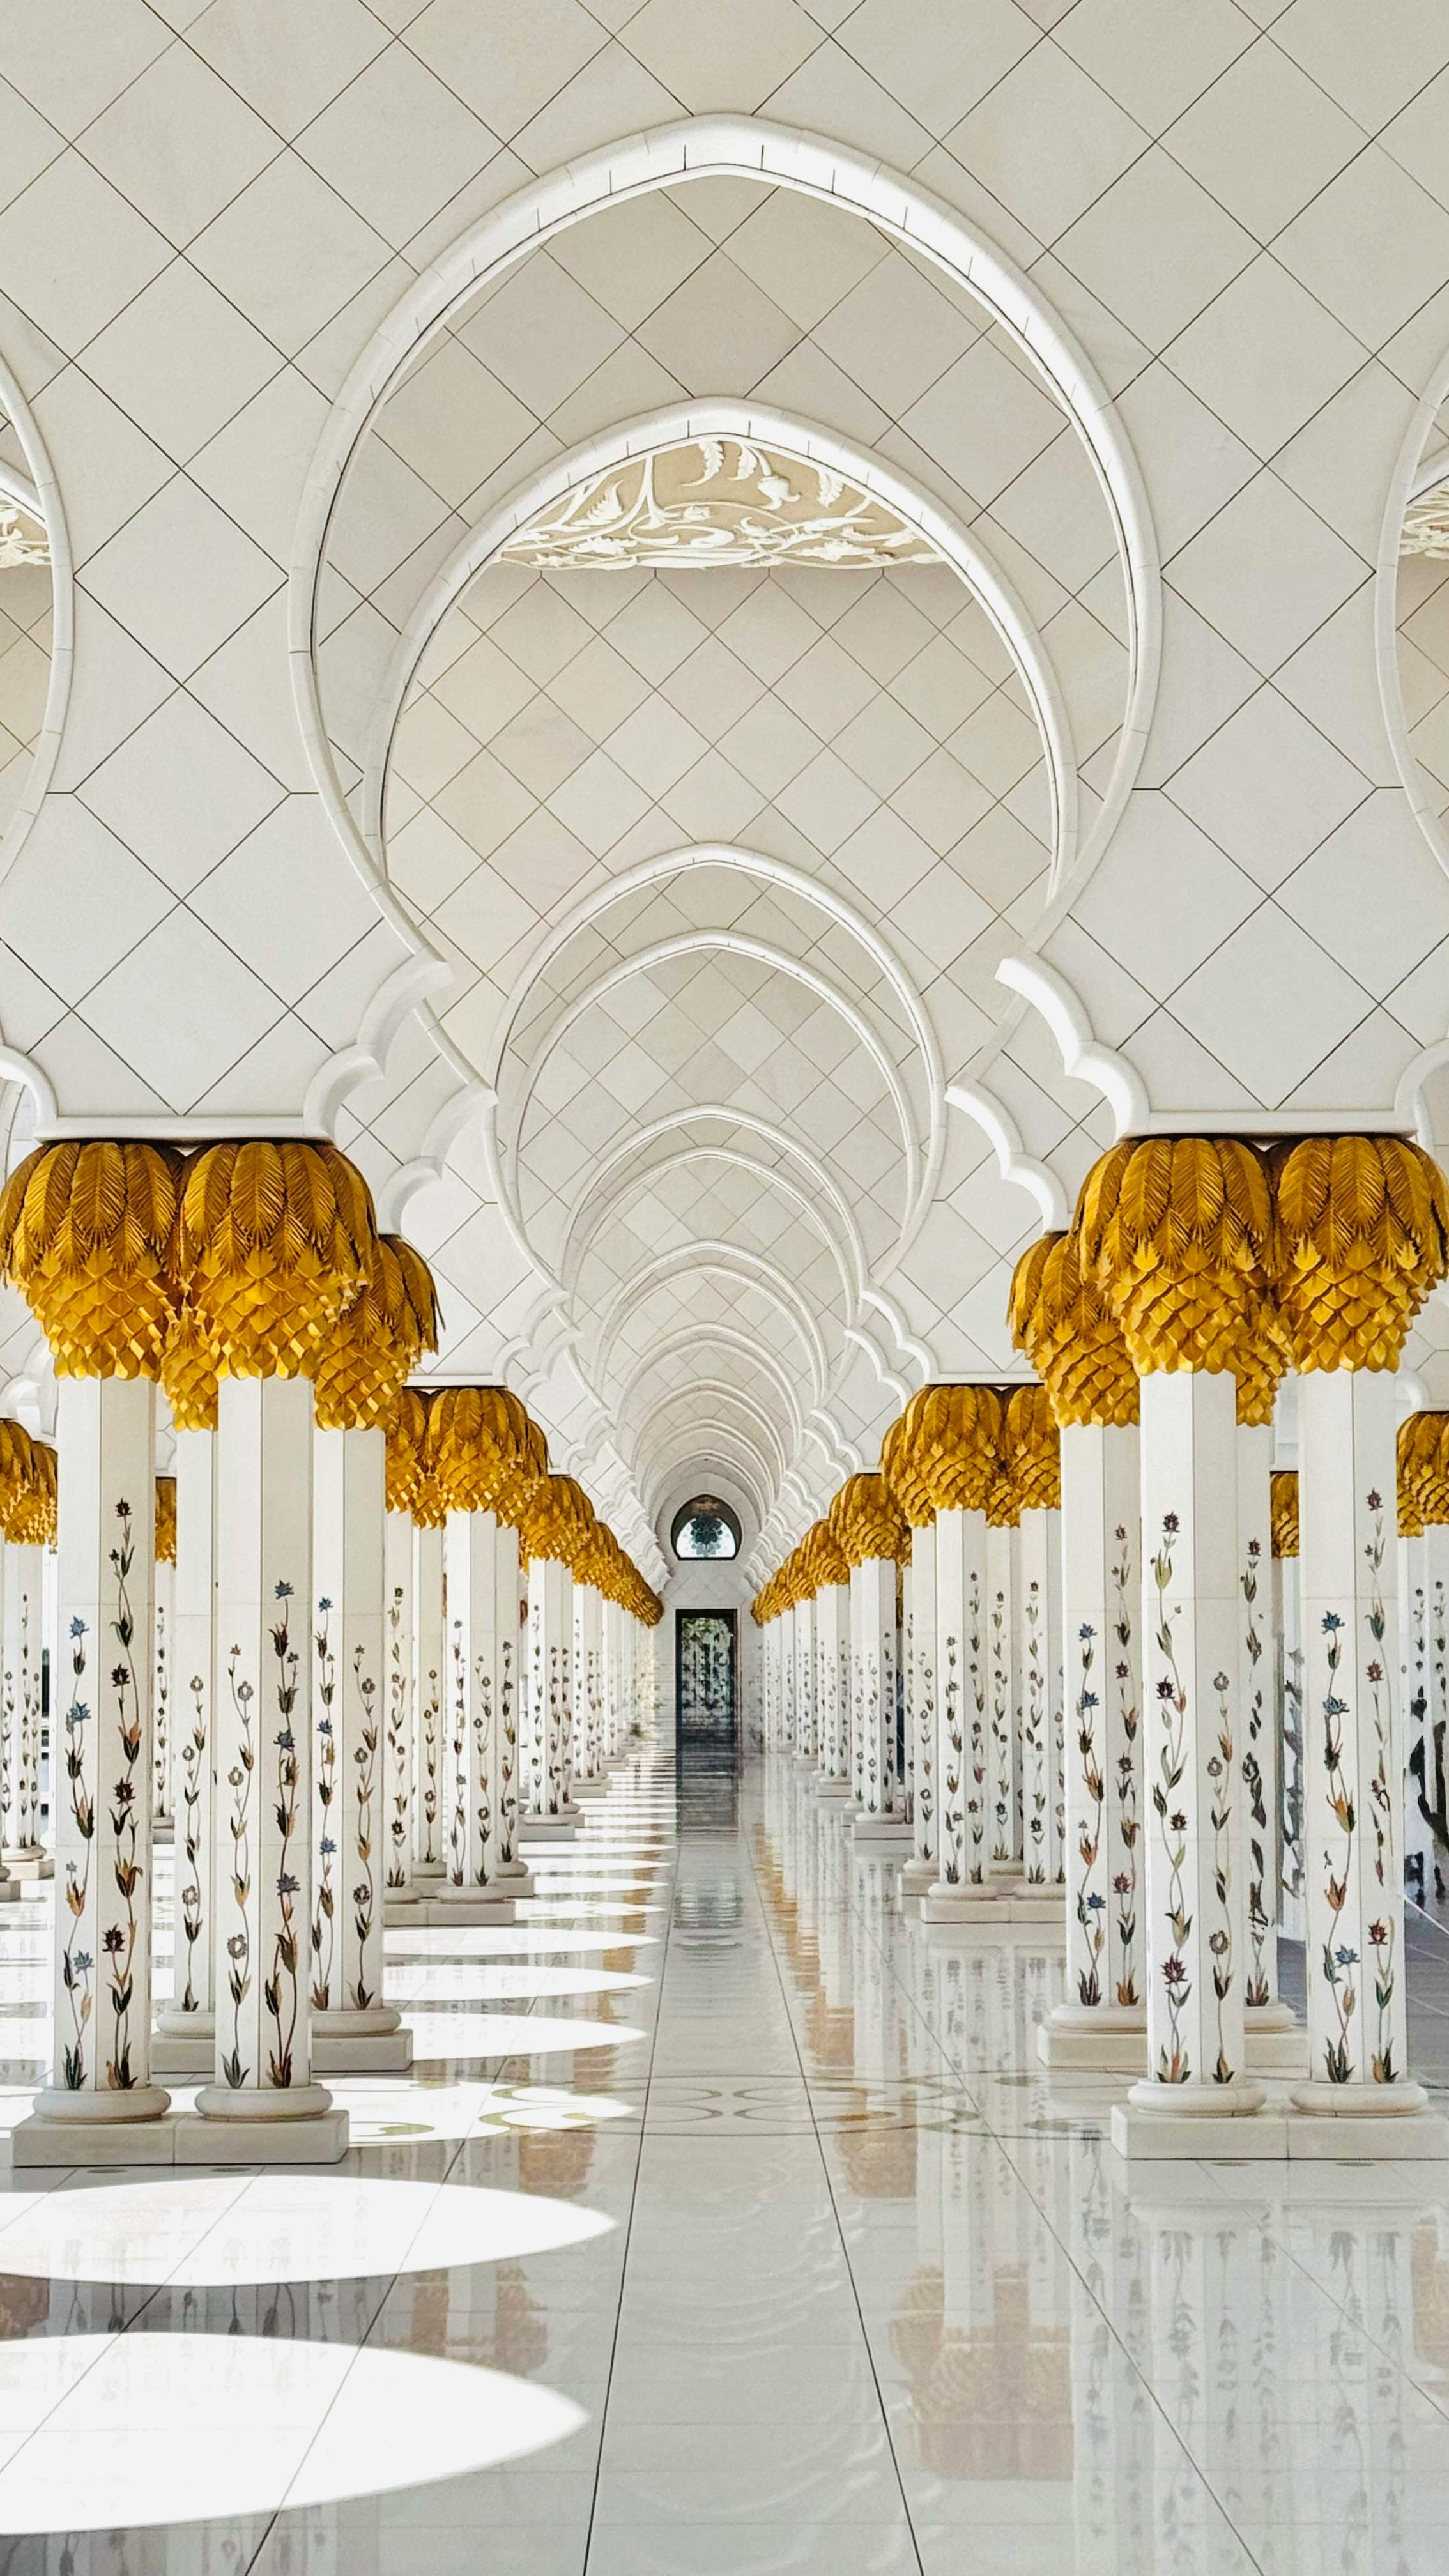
{"x": 765, "y": 1173}
{"x": 44, "y": 496}
{"x": 788, "y": 432}
{"x": 1413, "y": 472}
{"x": 742, "y": 147}
{"x": 713, "y": 1261}
{"x": 696, "y": 1339}
{"x": 706, "y": 1391}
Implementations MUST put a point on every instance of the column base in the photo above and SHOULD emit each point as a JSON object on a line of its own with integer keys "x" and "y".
{"x": 588, "y": 1790}
{"x": 1275, "y": 2040}
{"x": 163, "y": 1832}
{"x": 361, "y": 2043}
{"x": 991, "y": 1908}
{"x": 470, "y": 1908}
{"x": 423, "y": 1870}
{"x": 31, "y": 1861}
{"x": 919, "y": 1874}
{"x": 399, "y": 1899}
{"x": 549, "y": 1829}
{"x": 258, "y": 2106}
{"x": 1392, "y": 2102}
{"x": 1094, "y": 2039}
{"x": 41, "y": 2140}
{"x": 321, "y": 2138}
{"x": 890, "y": 1831}
{"x": 515, "y": 1877}
{"x": 825, "y": 1787}
{"x": 183, "y": 2043}
{"x": 10, "y": 1889}
{"x": 144, "y": 2102}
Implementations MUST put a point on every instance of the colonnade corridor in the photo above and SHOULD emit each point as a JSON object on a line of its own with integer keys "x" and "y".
{"x": 726, "y": 2225}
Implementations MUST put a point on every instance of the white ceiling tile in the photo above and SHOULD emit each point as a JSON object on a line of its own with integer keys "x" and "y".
{"x": 655, "y": 632}
{"x": 1373, "y": 894}
{"x": 287, "y": 64}
{"x": 453, "y": 422}
{"x": 1325, "y": 681}
{"x": 712, "y": 61}
{"x": 717, "y": 333}
{"x": 1340, "y": 462}
{"x": 1191, "y": 461}
{"x": 1372, "y": 247}
{"x": 612, "y": 95}
{"x": 1371, "y": 81}
{"x": 1265, "y": 355}
{"x": 883, "y": 744}
{"x": 250, "y": 252}
{"x": 1266, "y": 572}
{"x": 894, "y": 333}
{"x": 397, "y": 144}
{"x": 428, "y": 748}
{"x": 179, "y": 143}
{"x": 180, "y": 360}
{"x": 181, "y": 792}
{"x": 941, "y": 801}
{"x": 937, "y": 59}
{"x": 805, "y": 254}
{"x": 770, "y": 745}
{"x": 631, "y": 256}
{"x": 655, "y": 746}
{"x": 712, "y": 802}
{"x": 181, "y": 577}
{"x": 1264, "y": 139}
{"x": 114, "y": 687}
{"x": 485, "y": 802}
{"x": 485, "y": 914}
{"x": 484, "y": 689}
{"x": 72, "y": 252}
{"x": 826, "y": 688}
{"x": 215, "y": 1012}
{"x": 76, "y": 900}
{"x": 1163, "y": 896}
{"x": 1232, "y": 1004}
{"x": 79, "y": 1066}
{"x": 1156, "y": 248}
{"x": 286, "y": 900}
{"x": 1047, "y": 141}
{"x": 984, "y": 422}
{"x": 1155, "y": 56}
{"x": 248, "y": 685}
{"x": 599, "y": 802}
{"x": 768, "y": 632}
{"x": 543, "y": 860}
{"x": 254, "y": 469}
{"x": 826, "y": 801}
{"x": 540, "y": 632}
{"x": 1268, "y": 787}
{"x": 1203, "y": 682}
{"x": 711, "y": 686}
{"x": 70, "y": 75}
{"x": 508, "y": 63}
{"x": 542, "y": 334}
{"x": 542, "y": 746}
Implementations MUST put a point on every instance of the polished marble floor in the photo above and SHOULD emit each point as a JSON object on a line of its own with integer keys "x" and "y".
{"x": 724, "y": 2229}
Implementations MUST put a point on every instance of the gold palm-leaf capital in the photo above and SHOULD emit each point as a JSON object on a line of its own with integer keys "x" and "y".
{"x": 1033, "y": 1449}
{"x": 274, "y": 1241}
{"x": 866, "y": 1522}
{"x": 1178, "y": 1232}
{"x": 1362, "y": 1235}
{"x": 960, "y": 1439}
{"x": 376, "y": 1340}
{"x": 86, "y": 1235}
{"x": 1061, "y": 1318}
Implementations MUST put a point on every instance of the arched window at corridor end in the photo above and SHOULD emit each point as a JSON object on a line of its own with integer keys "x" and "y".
{"x": 705, "y": 1528}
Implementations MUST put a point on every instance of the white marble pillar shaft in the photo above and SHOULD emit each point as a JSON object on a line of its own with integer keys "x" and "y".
{"x": 350, "y": 1784}
{"x": 550, "y": 1686}
{"x": 874, "y": 1649}
{"x": 1038, "y": 1651}
{"x": 1196, "y": 1857}
{"x": 102, "y": 1755}
{"x": 832, "y": 1680}
{"x": 471, "y": 1557}
{"x": 164, "y": 1712}
{"x": 807, "y": 1721}
{"x": 430, "y": 1652}
{"x": 1288, "y": 1680}
{"x": 1101, "y": 1618}
{"x": 588, "y": 1685}
{"x": 1002, "y": 1553}
{"x": 192, "y": 2009}
{"x": 1257, "y": 1712}
{"x": 962, "y": 1699}
{"x": 921, "y": 1704}
{"x": 23, "y": 1589}
{"x": 262, "y": 1898}
{"x": 506, "y": 1734}
{"x": 1352, "y": 1842}
{"x": 398, "y": 1554}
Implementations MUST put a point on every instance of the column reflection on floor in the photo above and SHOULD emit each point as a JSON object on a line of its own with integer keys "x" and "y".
{"x": 726, "y": 2223}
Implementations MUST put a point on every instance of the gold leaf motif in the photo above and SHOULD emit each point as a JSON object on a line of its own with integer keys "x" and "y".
{"x": 1283, "y": 1511}
{"x": 1061, "y": 1317}
{"x": 166, "y": 1520}
{"x": 1362, "y": 1236}
{"x": 866, "y": 1522}
{"x": 86, "y": 1233}
{"x": 1177, "y": 1230}
{"x": 274, "y": 1241}
{"x": 1033, "y": 1449}
{"x": 369, "y": 1351}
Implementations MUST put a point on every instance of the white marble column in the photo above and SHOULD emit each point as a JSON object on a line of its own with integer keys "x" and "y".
{"x": 1267, "y": 2017}
{"x": 103, "y": 1781}
{"x": 399, "y": 1718}
{"x": 588, "y": 1737}
{"x": 1038, "y": 1649}
{"x": 1102, "y": 2021}
{"x": 186, "y": 2027}
{"x": 507, "y": 1866}
{"x": 1196, "y": 1855}
{"x": 1352, "y": 1843}
{"x": 263, "y": 1741}
{"x": 471, "y": 1892}
{"x": 1288, "y": 1695}
{"x": 164, "y": 1713}
{"x": 551, "y": 1802}
{"x": 615, "y": 1716}
{"x": 807, "y": 1718}
{"x": 354, "y": 2028}
{"x": 1002, "y": 1555}
{"x": 430, "y": 1658}
{"x": 832, "y": 1683}
{"x": 875, "y": 1650}
{"x": 962, "y": 1723}
{"x": 922, "y": 1869}
{"x": 22, "y": 1854}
